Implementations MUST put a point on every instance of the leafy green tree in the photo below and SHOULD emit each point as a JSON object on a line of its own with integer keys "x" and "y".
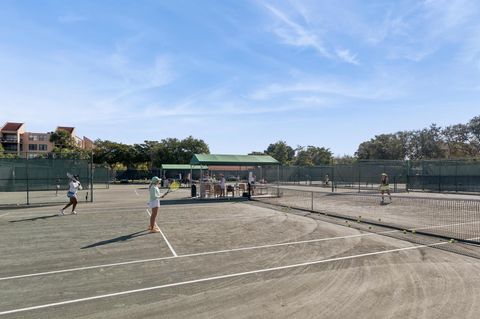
{"x": 62, "y": 140}
{"x": 457, "y": 141}
{"x": 113, "y": 153}
{"x": 2, "y": 152}
{"x": 426, "y": 144}
{"x": 190, "y": 146}
{"x": 256, "y": 153}
{"x": 175, "y": 151}
{"x": 66, "y": 147}
{"x": 474, "y": 128}
{"x": 345, "y": 159}
{"x": 282, "y": 152}
{"x": 384, "y": 146}
{"x": 312, "y": 156}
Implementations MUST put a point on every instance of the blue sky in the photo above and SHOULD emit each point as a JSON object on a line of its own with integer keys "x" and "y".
{"x": 240, "y": 74}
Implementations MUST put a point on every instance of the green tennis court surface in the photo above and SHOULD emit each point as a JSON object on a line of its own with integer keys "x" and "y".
{"x": 222, "y": 260}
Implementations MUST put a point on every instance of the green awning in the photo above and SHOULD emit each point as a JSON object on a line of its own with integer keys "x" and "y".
{"x": 182, "y": 167}
{"x": 218, "y": 159}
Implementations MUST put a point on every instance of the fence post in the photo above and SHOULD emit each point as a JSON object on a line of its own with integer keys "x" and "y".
{"x": 359, "y": 176}
{"x": 312, "y": 202}
{"x": 440, "y": 177}
{"x": 333, "y": 177}
{"x": 456, "y": 176}
{"x": 91, "y": 178}
{"x": 28, "y": 182}
{"x": 408, "y": 176}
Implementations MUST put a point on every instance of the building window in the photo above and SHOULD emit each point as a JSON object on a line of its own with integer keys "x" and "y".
{"x": 42, "y": 147}
{"x": 32, "y": 147}
{"x": 33, "y": 137}
{"x": 42, "y": 138}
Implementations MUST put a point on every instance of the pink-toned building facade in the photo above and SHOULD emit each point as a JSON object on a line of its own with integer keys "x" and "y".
{"x": 15, "y": 140}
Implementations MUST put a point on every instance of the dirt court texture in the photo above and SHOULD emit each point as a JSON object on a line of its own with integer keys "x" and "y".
{"x": 227, "y": 259}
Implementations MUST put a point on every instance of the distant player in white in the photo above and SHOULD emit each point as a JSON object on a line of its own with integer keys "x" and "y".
{"x": 73, "y": 187}
{"x": 223, "y": 185}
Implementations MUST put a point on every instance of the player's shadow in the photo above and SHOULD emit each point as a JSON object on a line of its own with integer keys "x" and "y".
{"x": 33, "y": 218}
{"x": 118, "y": 239}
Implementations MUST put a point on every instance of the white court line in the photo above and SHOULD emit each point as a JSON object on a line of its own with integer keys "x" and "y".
{"x": 182, "y": 283}
{"x": 195, "y": 255}
{"x": 4, "y": 214}
{"x": 165, "y": 238}
{"x": 136, "y": 192}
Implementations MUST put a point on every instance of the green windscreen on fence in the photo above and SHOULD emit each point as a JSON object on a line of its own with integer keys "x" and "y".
{"x": 45, "y": 181}
{"x": 40, "y": 174}
{"x": 425, "y": 175}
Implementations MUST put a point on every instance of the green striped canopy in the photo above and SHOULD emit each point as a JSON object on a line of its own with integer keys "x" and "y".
{"x": 220, "y": 159}
{"x": 182, "y": 167}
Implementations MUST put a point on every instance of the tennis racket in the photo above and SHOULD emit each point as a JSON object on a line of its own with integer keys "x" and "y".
{"x": 71, "y": 176}
{"x": 173, "y": 187}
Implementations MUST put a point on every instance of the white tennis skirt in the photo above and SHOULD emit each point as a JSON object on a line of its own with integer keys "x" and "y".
{"x": 154, "y": 203}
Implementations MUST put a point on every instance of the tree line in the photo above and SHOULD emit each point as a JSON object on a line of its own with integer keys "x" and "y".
{"x": 459, "y": 141}
{"x": 149, "y": 154}
{"x": 452, "y": 142}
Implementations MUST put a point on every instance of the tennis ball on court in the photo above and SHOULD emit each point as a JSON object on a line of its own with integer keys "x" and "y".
{"x": 369, "y": 227}
{"x": 346, "y": 221}
{"x": 452, "y": 241}
{"x": 349, "y": 225}
{"x": 413, "y": 231}
{"x": 379, "y": 219}
{"x": 404, "y": 231}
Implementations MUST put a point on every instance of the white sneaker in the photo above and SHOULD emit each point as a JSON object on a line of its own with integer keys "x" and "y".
{"x": 74, "y": 213}
{"x": 61, "y": 212}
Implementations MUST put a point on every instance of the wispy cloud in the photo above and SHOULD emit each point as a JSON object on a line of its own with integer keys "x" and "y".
{"x": 369, "y": 90}
{"x": 71, "y": 18}
{"x": 300, "y": 34}
{"x": 294, "y": 34}
{"x": 347, "y": 56}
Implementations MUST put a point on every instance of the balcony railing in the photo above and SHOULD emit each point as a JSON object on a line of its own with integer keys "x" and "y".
{"x": 9, "y": 140}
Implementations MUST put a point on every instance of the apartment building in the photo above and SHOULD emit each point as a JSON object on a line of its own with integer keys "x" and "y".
{"x": 15, "y": 140}
{"x": 11, "y": 136}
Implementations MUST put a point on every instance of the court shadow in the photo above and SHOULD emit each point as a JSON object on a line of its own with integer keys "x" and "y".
{"x": 385, "y": 203}
{"x": 118, "y": 239}
{"x": 33, "y": 218}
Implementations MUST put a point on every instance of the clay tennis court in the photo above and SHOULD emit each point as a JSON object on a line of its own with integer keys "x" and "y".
{"x": 231, "y": 259}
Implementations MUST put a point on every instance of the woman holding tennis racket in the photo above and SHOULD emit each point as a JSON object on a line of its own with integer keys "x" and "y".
{"x": 154, "y": 203}
{"x": 73, "y": 187}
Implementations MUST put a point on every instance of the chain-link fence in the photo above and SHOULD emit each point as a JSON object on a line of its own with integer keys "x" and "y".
{"x": 25, "y": 181}
{"x": 427, "y": 175}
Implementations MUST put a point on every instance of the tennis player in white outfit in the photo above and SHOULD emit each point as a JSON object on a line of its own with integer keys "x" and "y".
{"x": 73, "y": 187}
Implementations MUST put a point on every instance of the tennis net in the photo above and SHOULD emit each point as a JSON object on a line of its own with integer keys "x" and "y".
{"x": 457, "y": 219}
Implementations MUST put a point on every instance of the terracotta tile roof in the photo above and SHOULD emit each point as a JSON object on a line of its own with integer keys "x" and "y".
{"x": 11, "y": 127}
{"x": 65, "y": 128}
